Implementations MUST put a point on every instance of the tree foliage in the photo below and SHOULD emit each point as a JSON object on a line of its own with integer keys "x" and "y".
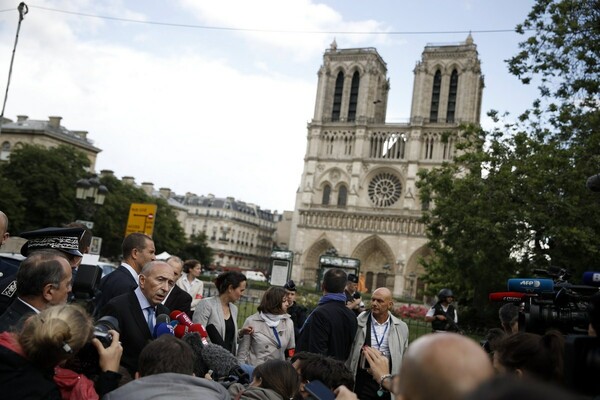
{"x": 515, "y": 197}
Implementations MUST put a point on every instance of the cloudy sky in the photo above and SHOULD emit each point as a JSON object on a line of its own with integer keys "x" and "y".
{"x": 210, "y": 96}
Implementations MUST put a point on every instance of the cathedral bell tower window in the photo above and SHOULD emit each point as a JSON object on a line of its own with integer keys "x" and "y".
{"x": 452, "y": 96}
{"x": 337, "y": 97}
{"x": 353, "y": 97}
{"x": 435, "y": 96}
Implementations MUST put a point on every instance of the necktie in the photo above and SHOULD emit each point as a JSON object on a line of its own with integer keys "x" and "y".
{"x": 150, "y": 318}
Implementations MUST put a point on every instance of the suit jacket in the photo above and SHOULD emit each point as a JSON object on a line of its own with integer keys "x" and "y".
{"x": 114, "y": 284}
{"x": 180, "y": 300}
{"x": 12, "y": 317}
{"x": 133, "y": 326}
{"x": 209, "y": 311}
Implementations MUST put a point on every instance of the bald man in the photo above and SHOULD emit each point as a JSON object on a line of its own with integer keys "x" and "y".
{"x": 383, "y": 332}
{"x": 442, "y": 365}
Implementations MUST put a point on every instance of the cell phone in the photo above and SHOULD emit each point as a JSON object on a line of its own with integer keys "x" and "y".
{"x": 363, "y": 363}
{"x": 319, "y": 391}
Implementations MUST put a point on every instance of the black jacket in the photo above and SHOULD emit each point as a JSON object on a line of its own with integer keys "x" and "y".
{"x": 132, "y": 326}
{"x": 12, "y": 317}
{"x": 179, "y": 300}
{"x": 329, "y": 330}
{"x": 114, "y": 284}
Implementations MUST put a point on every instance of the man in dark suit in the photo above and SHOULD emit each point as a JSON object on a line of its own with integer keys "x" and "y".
{"x": 8, "y": 270}
{"x": 43, "y": 280}
{"x": 138, "y": 250}
{"x": 136, "y": 310}
{"x": 178, "y": 299}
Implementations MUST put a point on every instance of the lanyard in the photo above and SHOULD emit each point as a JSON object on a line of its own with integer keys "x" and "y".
{"x": 379, "y": 342}
{"x": 276, "y": 337}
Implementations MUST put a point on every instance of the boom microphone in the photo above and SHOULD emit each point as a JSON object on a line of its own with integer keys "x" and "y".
{"x": 507, "y": 296}
{"x": 531, "y": 285}
{"x": 218, "y": 359}
{"x": 181, "y": 317}
{"x": 590, "y": 278}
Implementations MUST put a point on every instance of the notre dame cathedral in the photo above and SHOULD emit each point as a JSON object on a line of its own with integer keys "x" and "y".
{"x": 358, "y": 193}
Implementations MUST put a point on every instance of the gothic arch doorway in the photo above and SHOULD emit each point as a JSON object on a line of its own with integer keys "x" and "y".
{"x": 377, "y": 263}
{"x": 311, "y": 261}
{"x": 414, "y": 286}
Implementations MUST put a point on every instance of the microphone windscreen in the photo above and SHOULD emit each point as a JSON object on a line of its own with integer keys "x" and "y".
{"x": 181, "y": 317}
{"x": 220, "y": 360}
{"x": 162, "y": 329}
{"x": 180, "y": 330}
{"x": 214, "y": 335}
{"x": 506, "y": 296}
{"x": 531, "y": 285}
{"x": 195, "y": 342}
{"x": 201, "y": 331}
{"x": 162, "y": 318}
{"x": 591, "y": 278}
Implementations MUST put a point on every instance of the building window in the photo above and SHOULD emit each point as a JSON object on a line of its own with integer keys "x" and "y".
{"x": 452, "y": 96}
{"x": 429, "y": 147}
{"x": 326, "y": 195}
{"x": 384, "y": 189}
{"x": 342, "y": 196}
{"x": 435, "y": 96}
{"x": 5, "y": 151}
{"x": 353, "y": 97}
{"x": 337, "y": 97}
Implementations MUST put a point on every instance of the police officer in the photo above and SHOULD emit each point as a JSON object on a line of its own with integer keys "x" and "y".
{"x": 8, "y": 270}
{"x": 298, "y": 313}
{"x": 443, "y": 315}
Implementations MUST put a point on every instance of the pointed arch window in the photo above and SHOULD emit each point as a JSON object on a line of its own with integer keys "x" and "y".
{"x": 326, "y": 195}
{"x": 353, "y": 97}
{"x": 5, "y": 151}
{"x": 337, "y": 97}
{"x": 452, "y": 96}
{"x": 342, "y": 196}
{"x": 435, "y": 96}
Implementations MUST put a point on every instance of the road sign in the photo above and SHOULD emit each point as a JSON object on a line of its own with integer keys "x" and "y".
{"x": 141, "y": 218}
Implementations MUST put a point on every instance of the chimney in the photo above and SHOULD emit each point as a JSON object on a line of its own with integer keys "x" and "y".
{"x": 54, "y": 122}
{"x": 22, "y": 118}
{"x": 107, "y": 172}
{"x": 128, "y": 180}
{"x": 81, "y": 134}
{"x": 148, "y": 187}
{"x": 165, "y": 192}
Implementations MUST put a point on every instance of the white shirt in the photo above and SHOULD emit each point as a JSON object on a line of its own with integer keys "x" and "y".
{"x": 132, "y": 272}
{"x": 380, "y": 335}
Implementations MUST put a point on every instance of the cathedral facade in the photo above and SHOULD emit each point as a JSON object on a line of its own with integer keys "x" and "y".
{"x": 358, "y": 190}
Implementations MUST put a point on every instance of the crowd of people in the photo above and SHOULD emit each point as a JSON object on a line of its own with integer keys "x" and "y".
{"x": 150, "y": 333}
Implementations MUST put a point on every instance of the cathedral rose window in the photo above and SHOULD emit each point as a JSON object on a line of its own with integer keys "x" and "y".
{"x": 385, "y": 189}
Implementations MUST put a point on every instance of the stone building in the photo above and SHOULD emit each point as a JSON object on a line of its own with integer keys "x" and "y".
{"x": 357, "y": 192}
{"x": 44, "y": 133}
{"x": 240, "y": 234}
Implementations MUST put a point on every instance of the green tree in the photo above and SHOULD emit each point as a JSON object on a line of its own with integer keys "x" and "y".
{"x": 515, "y": 198}
{"x": 168, "y": 233}
{"x": 12, "y": 203}
{"x": 46, "y": 179}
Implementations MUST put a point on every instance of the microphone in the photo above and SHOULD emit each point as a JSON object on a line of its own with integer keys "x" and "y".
{"x": 593, "y": 183}
{"x": 531, "y": 285}
{"x": 507, "y": 296}
{"x": 162, "y": 319}
{"x": 180, "y": 330}
{"x": 591, "y": 278}
{"x": 214, "y": 335}
{"x": 220, "y": 360}
{"x": 201, "y": 331}
{"x": 162, "y": 329}
{"x": 181, "y": 317}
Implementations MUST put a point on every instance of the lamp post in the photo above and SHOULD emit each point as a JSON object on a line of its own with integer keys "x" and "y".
{"x": 92, "y": 194}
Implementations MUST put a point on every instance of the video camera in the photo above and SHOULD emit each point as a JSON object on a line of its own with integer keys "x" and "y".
{"x": 85, "y": 286}
{"x": 552, "y": 302}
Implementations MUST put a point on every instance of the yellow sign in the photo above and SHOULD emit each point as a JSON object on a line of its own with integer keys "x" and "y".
{"x": 141, "y": 218}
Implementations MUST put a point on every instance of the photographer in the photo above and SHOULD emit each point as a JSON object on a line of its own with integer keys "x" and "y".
{"x": 30, "y": 359}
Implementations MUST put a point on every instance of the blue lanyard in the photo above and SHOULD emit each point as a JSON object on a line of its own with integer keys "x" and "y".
{"x": 277, "y": 337}
{"x": 379, "y": 342}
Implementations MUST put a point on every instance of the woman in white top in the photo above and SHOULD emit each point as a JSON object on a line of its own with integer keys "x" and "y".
{"x": 190, "y": 283}
{"x": 270, "y": 330}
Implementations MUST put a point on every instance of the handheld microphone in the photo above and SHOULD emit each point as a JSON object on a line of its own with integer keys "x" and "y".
{"x": 162, "y": 319}
{"x": 507, "y": 296}
{"x": 591, "y": 278}
{"x": 531, "y": 285}
{"x": 180, "y": 330}
{"x": 162, "y": 329}
{"x": 214, "y": 335}
{"x": 200, "y": 329}
{"x": 181, "y": 317}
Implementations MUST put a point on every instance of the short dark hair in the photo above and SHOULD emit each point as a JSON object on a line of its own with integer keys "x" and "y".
{"x": 42, "y": 267}
{"x": 134, "y": 241}
{"x": 279, "y": 376}
{"x": 190, "y": 264}
{"x": 272, "y": 300}
{"x": 166, "y": 354}
{"x": 334, "y": 280}
{"x": 328, "y": 370}
{"x": 508, "y": 314}
{"x": 229, "y": 278}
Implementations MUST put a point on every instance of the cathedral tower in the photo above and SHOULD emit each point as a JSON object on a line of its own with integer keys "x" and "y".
{"x": 357, "y": 192}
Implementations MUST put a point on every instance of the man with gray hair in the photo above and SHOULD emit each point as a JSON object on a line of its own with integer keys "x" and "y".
{"x": 178, "y": 299}
{"x": 136, "y": 311}
{"x": 43, "y": 280}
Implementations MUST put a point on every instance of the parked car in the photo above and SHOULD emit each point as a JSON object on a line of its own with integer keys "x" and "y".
{"x": 107, "y": 268}
{"x": 255, "y": 276}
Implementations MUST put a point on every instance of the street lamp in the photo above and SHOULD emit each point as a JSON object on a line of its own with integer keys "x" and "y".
{"x": 92, "y": 193}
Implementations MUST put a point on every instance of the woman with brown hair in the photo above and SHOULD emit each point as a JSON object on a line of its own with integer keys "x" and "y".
{"x": 272, "y": 380}
{"x": 272, "y": 330}
{"x": 30, "y": 358}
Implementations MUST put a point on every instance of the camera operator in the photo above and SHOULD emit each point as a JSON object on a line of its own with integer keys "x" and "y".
{"x": 353, "y": 297}
{"x": 30, "y": 359}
